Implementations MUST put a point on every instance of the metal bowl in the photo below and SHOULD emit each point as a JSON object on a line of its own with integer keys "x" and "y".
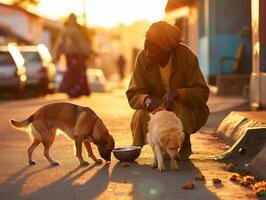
{"x": 127, "y": 154}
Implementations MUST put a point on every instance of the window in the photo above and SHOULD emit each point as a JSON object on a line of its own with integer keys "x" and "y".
{"x": 6, "y": 59}
{"x": 31, "y": 57}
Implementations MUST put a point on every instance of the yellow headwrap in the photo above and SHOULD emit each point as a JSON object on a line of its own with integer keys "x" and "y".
{"x": 164, "y": 35}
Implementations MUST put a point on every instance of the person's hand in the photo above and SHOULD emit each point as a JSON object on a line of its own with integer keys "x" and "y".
{"x": 169, "y": 98}
{"x": 151, "y": 103}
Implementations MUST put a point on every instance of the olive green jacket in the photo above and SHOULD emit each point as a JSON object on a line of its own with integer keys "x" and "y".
{"x": 186, "y": 77}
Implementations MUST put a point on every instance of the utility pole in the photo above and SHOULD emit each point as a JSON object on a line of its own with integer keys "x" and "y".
{"x": 84, "y": 13}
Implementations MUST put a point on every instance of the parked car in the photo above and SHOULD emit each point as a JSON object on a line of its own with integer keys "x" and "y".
{"x": 96, "y": 79}
{"x": 41, "y": 70}
{"x": 12, "y": 70}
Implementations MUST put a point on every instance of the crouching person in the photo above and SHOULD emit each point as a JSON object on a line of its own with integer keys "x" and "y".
{"x": 167, "y": 73}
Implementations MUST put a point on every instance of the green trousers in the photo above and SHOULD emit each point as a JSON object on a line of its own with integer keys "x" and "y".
{"x": 139, "y": 127}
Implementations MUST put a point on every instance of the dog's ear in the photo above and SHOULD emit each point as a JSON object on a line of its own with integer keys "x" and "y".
{"x": 100, "y": 142}
{"x": 85, "y": 122}
{"x": 112, "y": 142}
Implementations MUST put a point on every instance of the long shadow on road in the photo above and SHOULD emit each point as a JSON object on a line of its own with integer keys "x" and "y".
{"x": 11, "y": 188}
{"x": 62, "y": 188}
{"x": 136, "y": 181}
{"x": 65, "y": 189}
{"x": 215, "y": 118}
{"x": 148, "y": 183}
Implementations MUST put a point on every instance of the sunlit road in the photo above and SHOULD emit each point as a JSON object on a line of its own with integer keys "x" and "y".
{"x": 138, "y": 181}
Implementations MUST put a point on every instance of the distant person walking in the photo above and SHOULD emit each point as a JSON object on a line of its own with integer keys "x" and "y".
{"x": 73, "y": 43}
{"x": 121, "y": 64}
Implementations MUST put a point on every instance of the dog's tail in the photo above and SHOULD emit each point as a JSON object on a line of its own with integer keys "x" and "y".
{"x": 23, "y": 123}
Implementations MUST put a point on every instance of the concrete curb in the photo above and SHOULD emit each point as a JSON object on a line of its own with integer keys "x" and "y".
{"x": 247, "y": 137}
{"x": 235, "y": 125}
{"x": 248, "y": 145}
{"x": 258, "y": 164}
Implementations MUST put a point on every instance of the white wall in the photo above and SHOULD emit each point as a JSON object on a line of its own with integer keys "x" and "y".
{"x": 26, "y": 26}
{"x": 15, "y": 21}
{"x": 34, "y": 29}
{"x": 46, "y": 39}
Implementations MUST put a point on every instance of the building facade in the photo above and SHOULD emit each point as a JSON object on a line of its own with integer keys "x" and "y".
{"x": 28, "y": 26}
{"x": 258, "y": 75}
{"x": 214, "y": 30}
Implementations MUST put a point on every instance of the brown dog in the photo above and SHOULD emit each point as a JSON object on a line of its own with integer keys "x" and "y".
{"x": 80, "y": 123}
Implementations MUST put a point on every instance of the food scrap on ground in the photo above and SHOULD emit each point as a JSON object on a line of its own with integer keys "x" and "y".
{"x": 234, "y": 177}
{"x": 191, "y": 185}
{"x": 199, "y": 177}
{"x": 245, "y": 183}
{"x": 188, "y": 186}
{"x": 259, "y": 188}
{"x": 125, "y": 164}
{"x": 249, "y": 178}
{"x": 216, "y": 180}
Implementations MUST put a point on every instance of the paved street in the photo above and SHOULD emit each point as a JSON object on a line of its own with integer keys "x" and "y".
{"x": 138, "y": 181}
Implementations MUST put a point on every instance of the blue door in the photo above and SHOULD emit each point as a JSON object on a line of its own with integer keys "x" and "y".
{"x": 229, "y": 28}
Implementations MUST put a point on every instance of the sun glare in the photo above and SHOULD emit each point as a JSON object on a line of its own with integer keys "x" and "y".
{"x": 106, "y": 13}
